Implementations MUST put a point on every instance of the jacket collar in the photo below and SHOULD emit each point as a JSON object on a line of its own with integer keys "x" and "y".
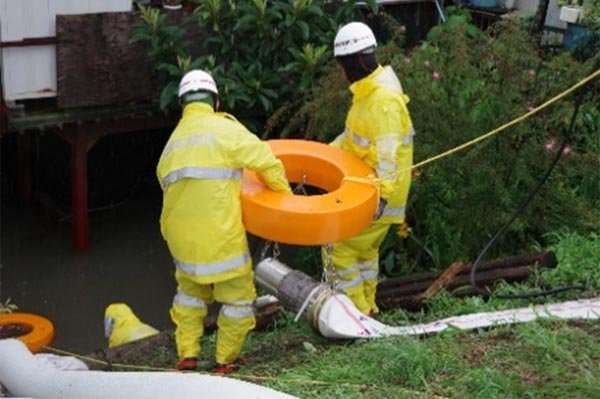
{"x": 197, "y": 108}
{"x": 366, "y": 85}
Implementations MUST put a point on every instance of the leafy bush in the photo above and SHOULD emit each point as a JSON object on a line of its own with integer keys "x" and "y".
{"x": 263, "y": 54}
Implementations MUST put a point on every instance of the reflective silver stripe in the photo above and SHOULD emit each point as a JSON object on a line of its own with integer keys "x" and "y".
{"x": 387, "y": 170}
{"x": 408, "y": 139}
{"x": 206, "y": 269}
{"x": 343, "y": 272}
{"x": 189, "y": 141}
{"x": 237, "y": 312}
{"x": 386, "y": 166}
{"x": 388, "y": 141}
{"x": 387, "y": 146}
{"x": 201, "y": 173}
{"x": 181, "y": 298}
{"x": 398, "y": 211}
{"x": 241, "y": 303}
{"x": 341, "y": 137}
{"x": 361, "y": 141}
{"x": 368, "y": 265}
{"x": 386, "y": 176}
{"x": 369, "y": 275}
{"x": 350, "y": 283}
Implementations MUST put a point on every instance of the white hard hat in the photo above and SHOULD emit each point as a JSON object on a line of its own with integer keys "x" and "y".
{"x": 197, "y": 80}
{"x": 353, "y": 38}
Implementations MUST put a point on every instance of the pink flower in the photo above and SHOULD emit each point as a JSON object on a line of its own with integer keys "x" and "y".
{"x": 528, "y": 106}
{"x": 566, "y": 151}
{"x": 435, "y": 75}
{"x": 549, "y": 146}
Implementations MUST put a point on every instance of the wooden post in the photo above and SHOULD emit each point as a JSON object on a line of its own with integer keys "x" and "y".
{"x": 80, "y": 144}
{"x": 79, "y": 192}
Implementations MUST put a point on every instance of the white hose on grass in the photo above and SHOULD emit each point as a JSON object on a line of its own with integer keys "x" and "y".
{"x": 23, "y": 376}
{"x": 339, "y": 318}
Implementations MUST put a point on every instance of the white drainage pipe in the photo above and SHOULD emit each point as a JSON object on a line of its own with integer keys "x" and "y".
{"x": 334, "y": 315}
{"x": 23, "y": 376}
{"x": 339, "y": 318}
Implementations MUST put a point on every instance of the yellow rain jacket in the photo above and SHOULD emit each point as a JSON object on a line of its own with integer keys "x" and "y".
{"x": 200, "y": 172}
{"x": 380, "y": 132}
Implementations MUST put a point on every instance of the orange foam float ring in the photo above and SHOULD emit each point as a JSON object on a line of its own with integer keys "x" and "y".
{"x": 344, "y": 210}
{"x": 42, "y": 330}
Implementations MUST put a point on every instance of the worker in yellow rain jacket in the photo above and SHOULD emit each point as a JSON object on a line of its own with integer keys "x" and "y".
{"x": 380, "y": 132}
{"x": 200, "y": 172}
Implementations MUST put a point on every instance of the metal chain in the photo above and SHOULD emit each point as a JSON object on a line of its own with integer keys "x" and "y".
{"x": 300, "y": 186}
{"x": 263, "y": 252}
{"x": 328, "y": 269}
{"x": 276, "y": 251}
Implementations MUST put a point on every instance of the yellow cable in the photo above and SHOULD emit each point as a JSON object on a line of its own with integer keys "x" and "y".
{"x": 370, "y": 179}
{"x": 506, "y": 125}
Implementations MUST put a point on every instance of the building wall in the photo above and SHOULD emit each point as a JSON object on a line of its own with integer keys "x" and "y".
{"x": 553, "y": 12}
{"x": 30, "y": 72}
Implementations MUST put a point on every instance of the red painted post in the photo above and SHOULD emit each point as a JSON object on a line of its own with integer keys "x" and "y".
{"x": 79, "y": 191}
{"x": 24, "y": 186}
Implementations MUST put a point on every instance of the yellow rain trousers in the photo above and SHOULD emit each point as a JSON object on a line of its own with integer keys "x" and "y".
{"x": 121, "y": 325}
{"x": 380, "y": 132}
{"x": 236, "y": 317}
{"x": 200, "y": 172}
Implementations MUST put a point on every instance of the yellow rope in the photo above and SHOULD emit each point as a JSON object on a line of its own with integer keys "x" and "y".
{"x": 507, "y": 125}
{"x": 242, "y": 376}
{"x": 370, "y": 179}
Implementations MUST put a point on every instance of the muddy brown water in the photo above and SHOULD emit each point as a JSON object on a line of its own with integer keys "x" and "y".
{"x": 127, "y": 261}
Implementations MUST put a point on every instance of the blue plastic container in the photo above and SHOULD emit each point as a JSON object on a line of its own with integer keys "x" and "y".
{"x": 575, "y": 36}
{"x": 484, "y": 3}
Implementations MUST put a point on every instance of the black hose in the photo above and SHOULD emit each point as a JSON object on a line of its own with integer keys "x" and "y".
{"x": 531, "y": 294}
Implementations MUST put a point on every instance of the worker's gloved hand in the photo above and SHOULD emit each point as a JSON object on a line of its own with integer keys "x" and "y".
{"x": 380, "y": 208}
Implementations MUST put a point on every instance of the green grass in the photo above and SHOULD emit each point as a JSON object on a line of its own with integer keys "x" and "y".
{"x": 542, "y": 359}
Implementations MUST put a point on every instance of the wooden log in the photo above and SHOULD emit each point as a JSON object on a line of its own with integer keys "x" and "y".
{"x": 543, "y": 259}
{"x": 408, "y": 296}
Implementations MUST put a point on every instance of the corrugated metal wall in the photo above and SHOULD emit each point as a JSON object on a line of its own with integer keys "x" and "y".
{"x": 30, "y": 72}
